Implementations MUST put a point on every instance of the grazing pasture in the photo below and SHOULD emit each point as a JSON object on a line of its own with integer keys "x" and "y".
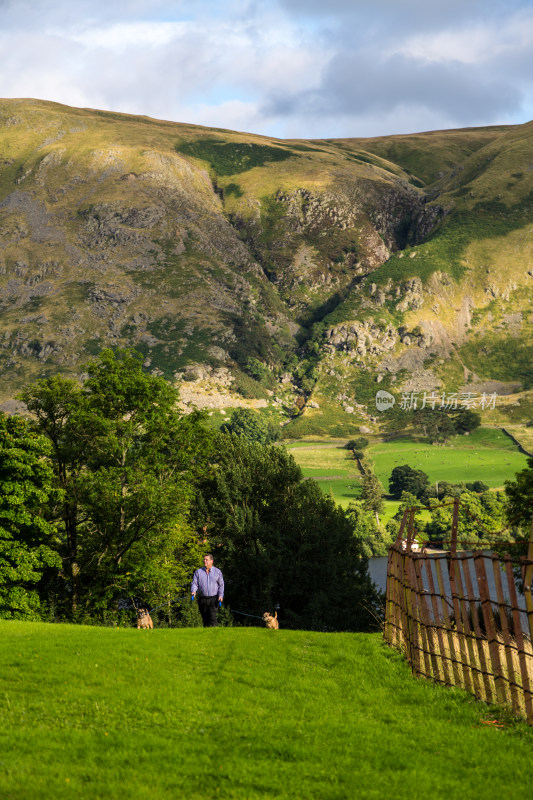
{"x": 239, "y": 713}
{"x": 487, "y": 454}
{"x": 329, "y": 462}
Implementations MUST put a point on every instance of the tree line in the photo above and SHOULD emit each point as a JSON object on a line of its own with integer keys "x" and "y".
{"x": 108, "y": 494}
{"x": 485, "y": 516}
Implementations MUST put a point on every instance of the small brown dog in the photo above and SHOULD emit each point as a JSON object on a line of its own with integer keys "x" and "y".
{"x": 271, "y": 621}
{"x": 144, "y": 620}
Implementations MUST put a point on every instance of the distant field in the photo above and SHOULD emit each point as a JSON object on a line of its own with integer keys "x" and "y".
{"x": 240, "y": 714}
{"x": 487, "y": 455}
{"x": 332, "y": 466}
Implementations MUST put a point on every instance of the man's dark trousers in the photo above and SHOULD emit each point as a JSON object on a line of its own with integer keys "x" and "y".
{"x": 208, "y": 607}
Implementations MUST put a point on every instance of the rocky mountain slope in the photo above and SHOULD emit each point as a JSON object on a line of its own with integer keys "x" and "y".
{"x": 314, "y": 272}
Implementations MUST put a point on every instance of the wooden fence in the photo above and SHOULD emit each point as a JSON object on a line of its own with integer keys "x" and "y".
{"x": 460, "y": 619}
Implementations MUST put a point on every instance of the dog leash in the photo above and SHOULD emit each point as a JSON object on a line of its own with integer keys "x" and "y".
{"x": 166, "y": 604}
{"x": 242, "y": 613}
{"x": 276, "y": 608}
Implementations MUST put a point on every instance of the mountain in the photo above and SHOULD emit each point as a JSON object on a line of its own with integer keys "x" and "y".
{"x": 315, "y": 272}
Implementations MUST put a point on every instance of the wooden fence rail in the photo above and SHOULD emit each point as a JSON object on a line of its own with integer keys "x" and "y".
{"x": 460, "y": 619}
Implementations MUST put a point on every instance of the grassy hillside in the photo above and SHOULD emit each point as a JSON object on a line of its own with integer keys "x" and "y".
{"x": 453, "y": 312}
{"x": 239, "y": 713}
{"x": 189, "y": 243}
{"x": 426, "y": 157}
{"x": 301, "y": 273}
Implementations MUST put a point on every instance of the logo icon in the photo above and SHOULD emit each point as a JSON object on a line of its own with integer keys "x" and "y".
{"x": 384, "y": 400}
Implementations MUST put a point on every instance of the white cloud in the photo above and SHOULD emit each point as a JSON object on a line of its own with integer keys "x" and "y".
{"x": 475, "y": 44}
{"x": 131, "y": 34}
{"x": 215, "y": 70}
{"x": 285, "y": 67}
{"x": 233, "y": 114}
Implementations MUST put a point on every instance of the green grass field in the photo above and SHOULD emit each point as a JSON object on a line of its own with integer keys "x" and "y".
{"x": 239, "y": 713}
{"x": 487, "y": 455}
{"x": 332, "y": 465}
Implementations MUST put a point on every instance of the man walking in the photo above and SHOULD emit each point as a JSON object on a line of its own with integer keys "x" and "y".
{"x": 209, "y": 584}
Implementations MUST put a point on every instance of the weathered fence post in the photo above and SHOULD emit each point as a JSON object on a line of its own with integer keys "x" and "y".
{"x": 392, "y": 628}
{"x": 520, "y": 640}
{"x": 453, "y": 634}
{"x": 528, "y": 574}
{"x": 410, "y": 628}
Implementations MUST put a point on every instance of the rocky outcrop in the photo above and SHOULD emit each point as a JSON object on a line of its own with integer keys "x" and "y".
{"x": 317, "y": 242}
{"x": 403, "y": 218}
{"x": 411, "y": 295}
{"x": 111, "y": 225}
{"x": 362, "y": 339}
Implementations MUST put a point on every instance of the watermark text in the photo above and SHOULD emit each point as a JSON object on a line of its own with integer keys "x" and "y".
{"x": 445, "y": 401}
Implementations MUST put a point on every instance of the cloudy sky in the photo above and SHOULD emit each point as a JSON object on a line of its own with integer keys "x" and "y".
{"x": 287, "y": 68}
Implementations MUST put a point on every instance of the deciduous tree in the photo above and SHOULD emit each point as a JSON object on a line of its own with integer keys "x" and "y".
{"x": 373, "y": 539}
{"x": 434, "y": 424}
{"x": 466, "y": 420}
{"x": 407, "y": 479}
{"x": 481, "y": 517}
{"x": 27, "y": 537}
{"x": 520, "y": 494}
{"x": 127, "y": 462}
{"x": 372, "y": 494}
{"x": 252, "y": 426}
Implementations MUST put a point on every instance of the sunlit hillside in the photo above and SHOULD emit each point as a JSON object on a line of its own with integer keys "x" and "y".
{"x": 302, "y": 274}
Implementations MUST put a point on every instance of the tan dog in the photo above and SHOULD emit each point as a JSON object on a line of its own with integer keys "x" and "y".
{"x": 144, "y": 620}
{"x": 271, "y": 621}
